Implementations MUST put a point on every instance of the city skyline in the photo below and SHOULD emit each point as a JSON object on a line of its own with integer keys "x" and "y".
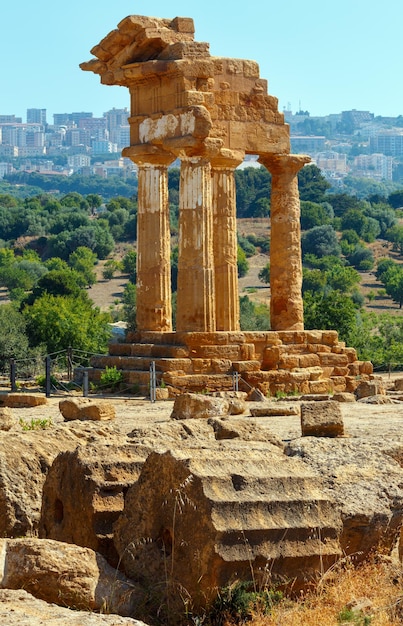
{"x": 317, "y": 57}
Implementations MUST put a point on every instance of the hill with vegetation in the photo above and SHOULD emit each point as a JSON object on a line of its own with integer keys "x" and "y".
{"x": 55, "y": 246}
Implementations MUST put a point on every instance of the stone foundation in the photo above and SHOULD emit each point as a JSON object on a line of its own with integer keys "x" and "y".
{"x": 274, "y": 362}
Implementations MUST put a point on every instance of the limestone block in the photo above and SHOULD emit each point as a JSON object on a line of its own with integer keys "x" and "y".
{"x": 366, "y": 388}
{"x": 330, "y": 337}
{"x": 398, "y": 384}
{"x": 244, "y": 504}
{"x": 24, "y": 400}
{"x": 340, "y": 371}
{"x": 25, "y": 461}
{"x": 20, "y": 608}
{"x": 309, "y": 360}
{"x": 339, "y": 383}
{"x": 365, "y": 484}
{"x": 255, "y": 395}
{"x": 333, "y": 360}
{"x": 321, "y": 419}
{"x": 65, "y": 574}
{"x": 366, "y": 367}
{"x": 201, "y": 366}
{"x": 7, "y": 421}
{"x": 86, "y": 409}
{"x": 247, "y": 430}
{"x": 344, "y": 397}
{"x": 318, "y": 347}
{"x": 351, "y": 354}
{"x": 271, "y": 357}
{"x": 273, "y": 409}
{"x": 288, "y": 362}
{"x": 246, "y": 366}
{"x": 196, "y": 406}
{"x": 221, "y": 366}
{"x": 236, "y": 401}
{"x": 162, "y": 393}
{"x": 354, "y": 369}
{"x": 314, "y": 337}
{"x": 320, "y": 386}
{"x": 83, "y": 494}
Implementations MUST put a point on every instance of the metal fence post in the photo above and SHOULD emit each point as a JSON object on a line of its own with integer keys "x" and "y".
{"x": 13, "y": 383}
{"x": 69, "y": 363}
{"x": 47, "y": 376}
{"x": 235, "y": 381}
{"x": 153, "y": 382}
{"x": 85, "y": 383}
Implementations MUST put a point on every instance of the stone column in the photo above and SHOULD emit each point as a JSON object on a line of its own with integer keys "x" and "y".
{"x": 225, "y": 244}
{"x": 286, "y": 305}
{"x": 154, "y": 308}
{"x": 195, "y": 297}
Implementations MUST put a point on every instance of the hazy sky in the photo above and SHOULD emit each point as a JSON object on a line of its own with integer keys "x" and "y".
{"x": 322, "y": 56}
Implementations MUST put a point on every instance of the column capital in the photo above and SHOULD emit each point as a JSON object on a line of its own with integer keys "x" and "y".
{"x": 227, "y": 159}
{"x": 281, "y": 163}
{"x": 148, "y": 155}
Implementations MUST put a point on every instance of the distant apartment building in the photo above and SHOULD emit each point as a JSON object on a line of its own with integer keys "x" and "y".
{"x": 388, "y": 142}
{"x": 36, "y": 116}
{"x": 118, "y": 127}
{"x": 355, "y": 118}
{"x": 78, "y": 161}
{"x": 67, "y": 119}
{"x": 95, "y": 126}
{"x": 332, "y": 162}
{"x": 5, "y": 169}
{"x": 103, "y": 147}
{"x": 307, "y": 144}
{"x": 8, "y": 151}
{"x": 10, "y": 119}
{"x": 376, "y": 166}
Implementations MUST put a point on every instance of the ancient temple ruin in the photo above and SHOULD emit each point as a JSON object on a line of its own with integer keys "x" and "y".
{"x": 210, "y": 112}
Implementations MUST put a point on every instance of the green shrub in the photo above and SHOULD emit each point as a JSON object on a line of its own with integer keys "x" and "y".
{"x": 239, "y": 602}
{"x": 111, "y": 377}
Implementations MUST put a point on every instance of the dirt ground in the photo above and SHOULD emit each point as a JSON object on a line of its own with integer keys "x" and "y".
{"x": 374, "y": 422}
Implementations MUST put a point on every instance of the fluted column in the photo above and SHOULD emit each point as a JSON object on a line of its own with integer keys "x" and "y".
{"x": 154, "y": 305}
{"x": 286, "y": 305}
{"x": 196, "y": 294}
{"x": 225, "y": 243}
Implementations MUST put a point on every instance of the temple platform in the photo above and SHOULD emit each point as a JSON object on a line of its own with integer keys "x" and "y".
{"x": 312, "y": 361}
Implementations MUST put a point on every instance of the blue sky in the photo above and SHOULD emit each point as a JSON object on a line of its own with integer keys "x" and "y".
{"x": 321, "y": 56}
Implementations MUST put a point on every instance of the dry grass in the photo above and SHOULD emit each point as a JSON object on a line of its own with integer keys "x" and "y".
{"x": 378, "y": 586}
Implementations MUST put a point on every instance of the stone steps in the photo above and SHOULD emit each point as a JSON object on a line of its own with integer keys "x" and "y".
{"x": 87, "y": 488}
{"x": 239, "y": 510}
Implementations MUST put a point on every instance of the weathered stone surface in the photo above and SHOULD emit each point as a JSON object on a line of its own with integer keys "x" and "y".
{"x": 369, "y": 388}
{"x": 245, "y": 429}
{"x": 344, "y": 397}
{"x": 273, "y": 408}
{"x": 321, "y": 419}
{"x": 7, "y": 421}
{"x": 84, "y": 491}
{"x": 366, "y": 485}
{"x": 22, "y": 400}
{"x": 65, "y": 574}
{"x": 256, "y": 395}
{"x": 20, "y": 608}
{"x": 217, "y": 512}
{"x": 398, "y": 384}
{"x": 25, "y": 460}
{"x": 192, "y": 405}
{"x": 86, "y": 409}
{"x": 236, "y": 401}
